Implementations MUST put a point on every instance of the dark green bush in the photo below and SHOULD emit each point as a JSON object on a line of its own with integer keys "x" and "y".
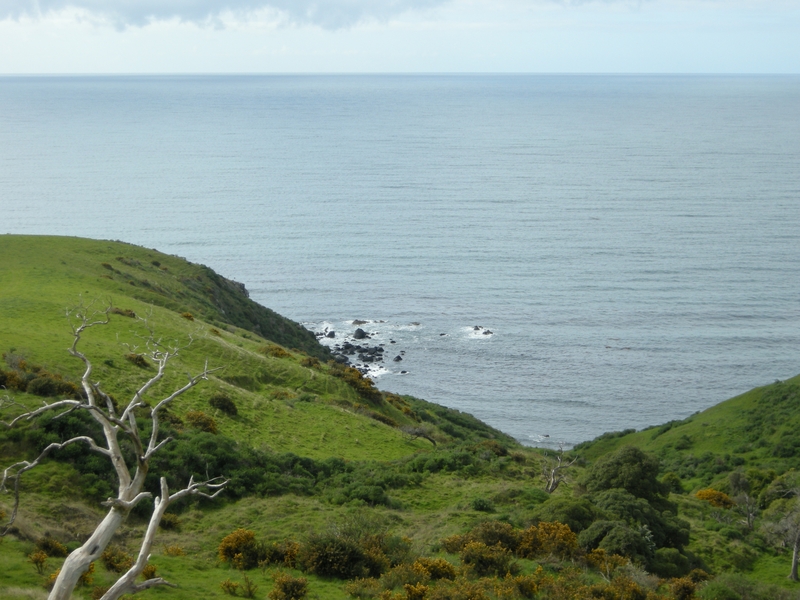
{"x": 492, "y": 533}
{"x": 42, "y": 386}
{"x": 225, "y": 404}
{"x": 51, "y": 547}
{"x": 577, "y": 513}
{"x": 669, "y": 562}
{"x": 137, "y": 359}
{"x": 329, "y": 555}
{"x": 170, "y": 522}
{"x": 482, "y": 505}
{"x": 630, "y": 469}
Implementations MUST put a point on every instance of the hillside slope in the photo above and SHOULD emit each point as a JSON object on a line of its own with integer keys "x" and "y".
{"x": 55, "y": 270}
{"x": 315, "y": 453}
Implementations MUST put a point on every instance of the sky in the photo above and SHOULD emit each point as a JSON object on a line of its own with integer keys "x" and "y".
{"x": 399, "y": 36}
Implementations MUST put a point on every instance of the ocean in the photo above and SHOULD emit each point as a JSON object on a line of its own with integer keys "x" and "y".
{"x": 632, "y": 243}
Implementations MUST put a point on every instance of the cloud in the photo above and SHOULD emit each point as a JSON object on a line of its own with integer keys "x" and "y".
{"x": 329, "y": 14}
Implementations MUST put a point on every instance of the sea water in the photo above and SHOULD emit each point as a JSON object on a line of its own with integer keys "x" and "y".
{"x": 632, "y": 243}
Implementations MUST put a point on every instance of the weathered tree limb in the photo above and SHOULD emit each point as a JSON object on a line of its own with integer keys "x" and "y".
{"x": 127, "y": 583}
{"x": 101, "y": 407}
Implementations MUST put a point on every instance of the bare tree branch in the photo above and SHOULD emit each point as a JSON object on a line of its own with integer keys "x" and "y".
{"x": 127, "y": 583}
{"x": 130, "y": 488}
{"x": 15, "y": 471}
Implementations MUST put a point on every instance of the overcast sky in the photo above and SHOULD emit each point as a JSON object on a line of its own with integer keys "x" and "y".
{"x": 345, "y": 36}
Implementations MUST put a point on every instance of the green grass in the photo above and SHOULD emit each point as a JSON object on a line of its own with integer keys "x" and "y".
{"x": 284, "y": 406}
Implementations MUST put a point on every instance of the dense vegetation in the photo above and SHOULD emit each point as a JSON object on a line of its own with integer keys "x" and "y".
{"x": 339, "y": 490}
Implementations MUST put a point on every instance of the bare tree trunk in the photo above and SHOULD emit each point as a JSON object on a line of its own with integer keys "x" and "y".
{"x": 795, "y": 556}
{"x": 102, "y": 408}
{"x": 79, "y": 560}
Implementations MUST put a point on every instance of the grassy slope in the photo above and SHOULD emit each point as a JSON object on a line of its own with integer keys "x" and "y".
{"x": 40, "y": 276}
{"x": 755, "y": 432}
{"x": 61, "y": 268}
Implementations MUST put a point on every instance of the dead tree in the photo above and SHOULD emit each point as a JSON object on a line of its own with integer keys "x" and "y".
{"x": 130, "y": 478}
{"x": 554, "y": 469}
{"x": 411, "y": 433}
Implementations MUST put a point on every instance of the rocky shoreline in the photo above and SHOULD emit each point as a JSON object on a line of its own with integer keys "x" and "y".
{"x": 370, "y": 348}
{"x": 354, "y": 349}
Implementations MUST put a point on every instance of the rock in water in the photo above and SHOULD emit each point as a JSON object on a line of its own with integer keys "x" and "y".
{"x": 360, "y": 334}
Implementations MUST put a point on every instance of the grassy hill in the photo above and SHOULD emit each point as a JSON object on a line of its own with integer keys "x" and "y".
{"x": 312, "y": 449}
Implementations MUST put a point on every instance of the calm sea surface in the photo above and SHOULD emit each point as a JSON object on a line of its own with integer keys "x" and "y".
{"x": 632, "y": 243}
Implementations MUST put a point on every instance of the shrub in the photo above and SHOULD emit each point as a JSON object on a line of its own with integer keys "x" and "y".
{"x": 415, "y": 592}
{"x": 149, "y": 571}
{"x": 98, "y": 592}
{"x": 496, "y": 532}
{"x": 436, "y": 568}
{"x": 51, "y": 547}
{"x": 487, "y": 560}
{"x": 117, "y": 560}
{"x": 39, "y": 560}
{"x": 491, "y": 446}
{"x": 240, "y": 549}
{"x": 138, "y": 359}
{"x": 461, "y": 589}
{"x": 280, "y": 553}
{"x": 628, "y": 468}
{"x": 170, "y": 522}
{"x": 482, "y": 505}
{"x": 249, "y": 588}
{"x": 455, "y": 543}
{"x": 404, "y": 574}
{"x": 526, "y": 586}
{"x": 225, "y": 404}
{"x": 669, "y": 562}
{"x": 174, "y": 550}
{"x": 716, "y": 498}
{"x": 310, "y": 362}
{"x": 364, "y": 386}
{"x": 363, "y": 588}
{"x": 546, "y": 539}
{"x": 229, "y": 587}
{"x": 619, "y": 588}
{"x": 288, "y": 587}
{"x": 87, "y": 577}
{"x": 188, "y": 316}
{"x": 42, "y": 386}
{"x": 577, "y": 513}
{"x": 330, "y": 556}
{"x": 604, "y": 562}
{"x": 125, "y": 312}
{"x": 673, "y": 482}
{"x": 200, "y": 420}
{"x": 682, "y": 588}
{"x": 274, "y": 351}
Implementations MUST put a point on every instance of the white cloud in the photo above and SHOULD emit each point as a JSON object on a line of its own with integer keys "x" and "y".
{"x": 329, "y": 14}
